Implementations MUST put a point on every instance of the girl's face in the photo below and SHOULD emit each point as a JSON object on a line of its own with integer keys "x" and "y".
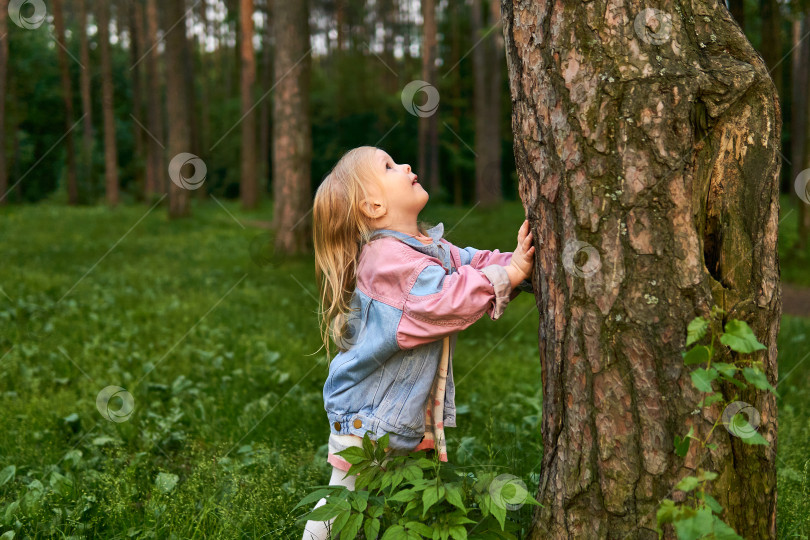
{"x": 404, "y": 196}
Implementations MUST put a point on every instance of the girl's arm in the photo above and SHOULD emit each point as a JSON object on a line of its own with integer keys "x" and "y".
{"x": 441, "y": 304}
{"x": 480, "y": 258}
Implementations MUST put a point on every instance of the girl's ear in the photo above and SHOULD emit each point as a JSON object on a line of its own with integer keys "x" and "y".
{"x": 372, "y": 208}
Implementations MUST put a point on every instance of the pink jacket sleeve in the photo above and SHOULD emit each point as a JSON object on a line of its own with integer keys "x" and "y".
{"x": 440, "y": 304}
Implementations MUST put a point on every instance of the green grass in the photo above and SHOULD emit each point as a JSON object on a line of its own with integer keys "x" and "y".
{"x": 223, "y": 360}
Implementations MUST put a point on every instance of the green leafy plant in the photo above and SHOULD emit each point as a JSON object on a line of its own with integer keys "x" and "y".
{"x": 698, "y": 516}
{"x": 413, "y": 497}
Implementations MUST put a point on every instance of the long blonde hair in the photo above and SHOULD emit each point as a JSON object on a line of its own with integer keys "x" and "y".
{"x": 340, "y": 230}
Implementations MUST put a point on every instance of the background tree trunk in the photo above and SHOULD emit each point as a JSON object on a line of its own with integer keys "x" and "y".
{"x": 67, "y": 99}
{"x": 292, "y": 138}
{"x": 156, "y": 177}
{"x": 428, "y": 125}
{"x": 663, "y": 156}
{"x": 486, "y": 90}
{"x": 88, "y": 177}
{"x": 737, "y": 8}
{"x": 800, "y": 119}
{"x": 177, "y": 103}
{"x": 3, "y": 72}
{"x": 248, "y": 183}
{"x": 110, "y": 149}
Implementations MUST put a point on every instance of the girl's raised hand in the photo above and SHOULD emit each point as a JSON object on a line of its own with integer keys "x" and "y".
{"x": 523, "y": 256}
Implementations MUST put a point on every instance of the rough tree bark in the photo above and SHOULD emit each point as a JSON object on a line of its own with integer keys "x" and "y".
{"x": 177, "y": 104}
{"x": 67, "y": 99}
{"x": 107, "y": 106}
{"x": 429, "y": 125}
{"x": 662, "y": 153}
{"x": 292, "y": 135}
{"x": 248, "y": 182}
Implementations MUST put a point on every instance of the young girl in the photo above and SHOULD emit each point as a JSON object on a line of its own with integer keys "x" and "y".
{"x": 395, "y": 294}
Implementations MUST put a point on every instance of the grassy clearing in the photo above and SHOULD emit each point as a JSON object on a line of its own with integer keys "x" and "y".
{"x": 223, "y": 360}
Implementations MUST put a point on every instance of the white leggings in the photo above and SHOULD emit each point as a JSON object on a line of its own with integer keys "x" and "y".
{"x": 319, "y": 530}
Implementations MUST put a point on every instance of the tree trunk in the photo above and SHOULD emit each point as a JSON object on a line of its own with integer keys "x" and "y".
{"x": 156, "y": 180}
{"x": 248, "y": 184}
{"x": 110, "y": 149}
{"x": 487, "y": 135}
{"x": 67, "y": 99}
{"x": 88, "y": 178}
{"x": 292, "y": 138}
{"x": 800, "y": 119}
{"x": 428, "y": 125}
{"x": 737, "y": 8}
{"x": 3, "y": 71}
{"x": 136, "y": 50}
{"x": 772, "y": 40}
{"x": 663, "y": 156}
{"x": 177, "y": 104}
{"x": 264, "y": 114}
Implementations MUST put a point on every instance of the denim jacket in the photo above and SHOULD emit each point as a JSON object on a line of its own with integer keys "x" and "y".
{"x": 409, "y": 297}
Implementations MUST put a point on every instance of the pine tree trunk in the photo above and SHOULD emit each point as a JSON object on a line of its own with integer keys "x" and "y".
{"x": 110, "y": 148}
{"x": 264, "y": 114}
{"x": 800, "y": 119}
{"x": 658, "y": 146}
{"x": 3, "y": 72}
{"x": 428, "y": 125}
{"x": 248, "y": 184}
{"x": 177, "y": 103}
{"x": 156, "y": 178}
{"x": 88, "y": 178}
{"x": 292, "y": 138}
{"x": 136, "y": 50}
{"x": 67, "y": 99}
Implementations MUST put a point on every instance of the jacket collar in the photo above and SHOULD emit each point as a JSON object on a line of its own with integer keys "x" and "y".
{"x": 435, "y": 233}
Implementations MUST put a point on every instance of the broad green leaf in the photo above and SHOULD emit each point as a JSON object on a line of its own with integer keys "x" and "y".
{"x": 682, "y": 445}
{"x": 702, "y": 378}
{"x": 740, "y": 427}
{"x": 453, "y": 495}
{"x": 430, "y": 497}
{"x": 340, "y": 522}
{"x": 457, "y": 532}
{"x": 687, "y": 483}
{"x": 421, "y": 528}
{"x": 352, "y": 454}
{"x": 666, "y": 512}
{"x": 739, "y": 337}
{"x": 695, "y": 526}
{"x": 404, "y": 495}
{"x": 499, "y": 511}
{"x": 325, "y": 512}
{"x": 723, "y": 532}
{"x": 698, "y": 354}
{"x": 758, "y": 379}
{"x": 371, "y": 528}
{"x": 712, "y": 503}
{"x": 696, "y": 330}
{"x": 710, "y": 399}
{"x": 725, "y": 368}
{"x": 352, "y": 527}
{"x": 395, "y": 531}
{"x": 7, "y": 474}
